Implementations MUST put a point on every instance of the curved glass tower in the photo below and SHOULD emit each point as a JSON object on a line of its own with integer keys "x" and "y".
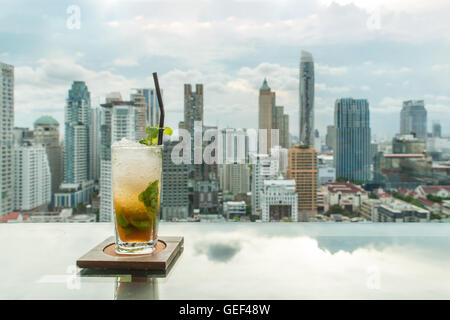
{"x": 306, "y": 135}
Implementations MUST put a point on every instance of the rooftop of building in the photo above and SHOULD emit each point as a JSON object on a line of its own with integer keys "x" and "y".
{"x": 399, "y": 205}
{"x": 12, "y": 216}
{"x": 280, "y": 182}
{"x": 404, "y": 155}
{"x": 46, "y": 120}
{"x": 264, "y": 86}
{"x": 235, "y": 203}
{"x": 306, "y": 56}
{"x": 434, "y": 189}
{"x": 343, "y": 187}
{"x": 427, "y": 202}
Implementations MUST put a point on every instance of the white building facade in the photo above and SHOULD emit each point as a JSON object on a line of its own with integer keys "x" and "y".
{"x": 234, "y": 209}
{"x": 263, "y": 168}
{"x": 279, "y": 200}
{"x": 6, "y": 138}
{"x": 32, "y": 176}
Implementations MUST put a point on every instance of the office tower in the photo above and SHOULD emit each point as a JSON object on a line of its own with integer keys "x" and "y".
{"x": 94, "y": 143}
{"x": 352, "y": 153}
{"x": 282, "y": 155}
{"x": 119, "y": 120}
{"x": 233, "y": 209}
{"x": 408, "y": 144}
{"x": 152, "y": 113}
{"x": 263, "y": 168}
{"x": 205, "y": 181}
{"x": 437, "y": 129}
{"x": 235, "y": 178}
{"x": 279, "y": 200}
{"x": 330, "y": 139}
{"x": 174, "y": 198}
{"x": 266, "y": 113}
{"x": 6, "y": 138}
{"x": 141, "y": 110}
{"x": 271, "y": 117}
{"x": 281, "y": 122}
{"x": 77, "y": 185}
{"x": 193, "y": 111}
{"x": 32, "y": 177}
{"x": 234, "y": 173}
{"x": 22, "y": 135}
{"x": 326, "y": 175}
{"x": 46, "y": 132}
{"x": 413, "y": 118}
{"x": 193, "y": 106}
{"x": 77, "y": 126}
{"x": 306, "y": 99}
{"x": 302, "y": 167}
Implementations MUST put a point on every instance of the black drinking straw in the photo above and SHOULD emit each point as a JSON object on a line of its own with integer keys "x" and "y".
{"x": 161, "y": 108}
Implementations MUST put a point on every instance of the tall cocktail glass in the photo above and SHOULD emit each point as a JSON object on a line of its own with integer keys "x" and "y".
{"x": 136, "y": 180}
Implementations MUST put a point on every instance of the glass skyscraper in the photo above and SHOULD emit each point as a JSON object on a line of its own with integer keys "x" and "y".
{"x": 352, "y": 128}
{"x": 77, "y": 185}
{"x": 76, "y": 142}
{"x": 413, "y": 118}
{"x": 306, "y": 92}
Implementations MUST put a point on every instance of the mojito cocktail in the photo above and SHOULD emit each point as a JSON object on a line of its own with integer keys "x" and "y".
{"x": 136, "y": 180}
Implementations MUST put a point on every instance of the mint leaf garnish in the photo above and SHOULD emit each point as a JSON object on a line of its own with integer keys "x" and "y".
{"x": 152, "y": 135}
{"x": 150, "y": 195}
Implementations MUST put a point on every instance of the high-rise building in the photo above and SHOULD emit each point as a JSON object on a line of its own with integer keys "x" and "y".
{"x": 306, "y": 92}
{"x": 23, "y": 135}
{"x": 303, "y": 168}
{"x": 119, "y": 120}
{"x": 264, "y": 168}
{"x": 77, "y": 127}
{"x": 174, "y": 197}
{"x": 152, "y": 106}
{"x": 77, "y": 185}
{"x": 413, "y": 118}
{"x": 279, "y": 200}
{"x": 408, "y": 144}
{"x": 234, "y": 173}
{"x": 193, "y": 106}
{"x": 352, "y": 153}
{"x": 266, "y": 115}
{"x": 330, "y": 139}
{"x": 281, "y": 122}
{"x": 235, "y": 178}
{"x": 94, "y": 143}
{"x": 437, "y": 129}
{"x": 281, "y": 154}
{"x": 140, "y": 105}
{"x": 271, "y": 118}
{"x": 6, "y": 138}
{"x": 32, "y": 177}
{"x": 46, "y": 132}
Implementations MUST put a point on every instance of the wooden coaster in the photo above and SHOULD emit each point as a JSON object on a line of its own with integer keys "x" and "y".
{"x": 103, "y": 256}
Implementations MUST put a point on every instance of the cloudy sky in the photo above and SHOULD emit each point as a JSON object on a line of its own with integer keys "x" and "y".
{"x": 386, "y": 51}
